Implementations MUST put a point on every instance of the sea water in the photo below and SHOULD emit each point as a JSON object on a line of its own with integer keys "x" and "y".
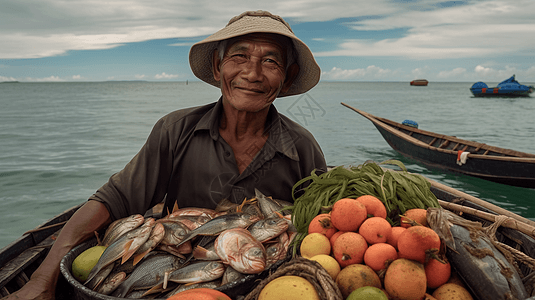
{"x": 59, "y": 142}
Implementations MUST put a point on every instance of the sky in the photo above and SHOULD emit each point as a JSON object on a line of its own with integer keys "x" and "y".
{"x": 352, "y": 40}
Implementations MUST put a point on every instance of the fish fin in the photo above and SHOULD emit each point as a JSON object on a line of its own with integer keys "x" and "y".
{"x": 140, "y": 256}
{"x": 278, "y": 214}
{"x": 165, "y": 279}
{"x": 153, "y": 289}
{"x": 199, "y": 251}
{"x": 175, "y": 206}
{"x": 192, "y": 283}
{"x": 128, "y": 252}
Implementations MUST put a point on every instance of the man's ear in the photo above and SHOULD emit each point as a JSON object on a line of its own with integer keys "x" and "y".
{"x": 291, "y": 74}
{"x": 215, "y": 65}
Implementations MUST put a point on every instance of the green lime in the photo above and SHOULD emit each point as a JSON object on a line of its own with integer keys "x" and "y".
{"x": 367, "y": 293}
{"x": 85, "y": 261}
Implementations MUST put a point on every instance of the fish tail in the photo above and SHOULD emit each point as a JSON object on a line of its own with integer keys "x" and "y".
{"x": 128, "y": 252}
{"x": 140, "y": 256}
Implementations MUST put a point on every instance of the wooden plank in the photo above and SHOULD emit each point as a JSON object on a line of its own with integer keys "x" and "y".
{"x": 17, "y": 265}
{"x": 456, "y": 145}
{"x": 445, "y": 144}
{"x": 433, "y": 141}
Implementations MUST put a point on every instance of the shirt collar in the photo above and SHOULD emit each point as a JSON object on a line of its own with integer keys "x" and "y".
{"x": 279, "y": 138}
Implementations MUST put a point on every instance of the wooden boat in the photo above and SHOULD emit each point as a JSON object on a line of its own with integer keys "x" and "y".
{"x": 19, "y": 259}
{"x": 419, "y": 82}
{"x": 453, "y": 154}
{"x": 507, "y": 88}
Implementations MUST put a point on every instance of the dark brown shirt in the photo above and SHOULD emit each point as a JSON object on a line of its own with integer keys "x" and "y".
{"x": 185, "y": 159}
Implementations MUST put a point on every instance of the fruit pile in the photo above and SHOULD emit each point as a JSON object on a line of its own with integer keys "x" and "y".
{"x": 370, "y": 259}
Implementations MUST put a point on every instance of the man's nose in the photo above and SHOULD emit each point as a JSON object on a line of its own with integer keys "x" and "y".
{"x": 253, "y": 70}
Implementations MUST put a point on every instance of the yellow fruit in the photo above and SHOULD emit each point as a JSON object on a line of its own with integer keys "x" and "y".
{"x": 85, "y": 261}
{"x": 328, "y": 263}
{"x": 289, "y": 287}
{"x": 314, "y": 244}
{"x": 356, "y": 276}
{"x": 452, "y": 291}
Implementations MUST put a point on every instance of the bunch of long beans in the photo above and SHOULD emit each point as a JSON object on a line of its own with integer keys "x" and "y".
{"x": 398, "y": 190}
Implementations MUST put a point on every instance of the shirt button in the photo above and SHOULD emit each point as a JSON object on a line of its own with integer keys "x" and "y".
{"x": 227, "y": 154}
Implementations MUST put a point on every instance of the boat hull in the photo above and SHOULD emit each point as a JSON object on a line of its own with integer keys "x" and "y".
{"x": 442, "y": 152}
{"x": 510, "y": 173}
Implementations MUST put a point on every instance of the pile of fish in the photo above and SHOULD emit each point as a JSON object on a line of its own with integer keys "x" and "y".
{"x": 191, "y": 247}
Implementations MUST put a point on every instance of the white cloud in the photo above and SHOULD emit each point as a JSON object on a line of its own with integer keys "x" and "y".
{"x": 369, "y": 73}
{"x": 45, "y": 79}
{"x": 165, "y": 76}
{"x": 457, "y": 73}
{"x": 76, "y": 77}
{"x": 5, "y": 78}
{"x": 138, "y": 76}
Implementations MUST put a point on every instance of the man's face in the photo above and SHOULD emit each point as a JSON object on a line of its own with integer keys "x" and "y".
{"x": 252, "y": 72}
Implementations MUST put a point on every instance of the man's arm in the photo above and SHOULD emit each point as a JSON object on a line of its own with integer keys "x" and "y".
{"x": 91, "y": 217}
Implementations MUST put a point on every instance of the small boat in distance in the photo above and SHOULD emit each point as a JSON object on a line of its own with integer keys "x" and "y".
{"x": 419, "y": 82}
{"x": 507, "y": 88}
{"x": 453, "y": 154}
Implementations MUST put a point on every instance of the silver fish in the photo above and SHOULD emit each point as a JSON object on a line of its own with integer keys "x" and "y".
{"x": 193, "y": 211}
{"x": 277, "y": 251}
{"x": 99, "y": 278}
{"x": 270, "y": 207}
{"x": 156, "y": 235}
{"x": 198, "y": 272}
{"x": 175, "y": 232}
{"x": 267, "y": 229}
{"x": 231, "y": 275}
{"x": 221, "y": 223}
{"x": 111, "y": 283}
{"x": 191, "y": 222}
{"x": 149, "y": 273}
{"x": 119, "y": 227}
{"x": 124, "y": 247}
{"x": 239, "y": 249}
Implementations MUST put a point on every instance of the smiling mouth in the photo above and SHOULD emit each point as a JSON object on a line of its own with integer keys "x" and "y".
{"x": 250, "y": 90}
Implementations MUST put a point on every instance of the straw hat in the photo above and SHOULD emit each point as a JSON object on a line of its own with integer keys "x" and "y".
{"x": 200, "y": 55}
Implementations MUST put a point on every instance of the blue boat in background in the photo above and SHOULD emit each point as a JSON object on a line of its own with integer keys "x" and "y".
{"x": 506, "y": 88}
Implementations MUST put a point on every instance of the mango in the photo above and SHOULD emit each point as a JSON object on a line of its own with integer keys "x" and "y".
{"x": 85, "y": 261}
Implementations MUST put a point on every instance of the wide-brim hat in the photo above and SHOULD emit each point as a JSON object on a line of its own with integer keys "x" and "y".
{"x": 200, "y": 55}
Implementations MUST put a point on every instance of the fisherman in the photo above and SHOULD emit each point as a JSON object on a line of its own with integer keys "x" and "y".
{"x": 196, "y": 157}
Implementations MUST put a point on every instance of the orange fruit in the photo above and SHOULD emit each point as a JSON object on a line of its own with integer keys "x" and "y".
{"x": 200, "y": 294}
{"x": 322, "y": 224}
{"x": 437, "y": 273}
{"x": 405, "y": 280}
{"x": 356, "y": 276}
{"x": 334, "y": 237}
{"x": 347, "y": 214}
{"x": 349, "y": 248}
{"x": 418, "y": 243}
{"x": 314, "y": 244}
{"x": 374, "y": 206}
{"x": 375, "y": 230}
{"x": 394, "y": 236}
{"x": 379, "y": 255}
{"x": 413, "y": 217}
